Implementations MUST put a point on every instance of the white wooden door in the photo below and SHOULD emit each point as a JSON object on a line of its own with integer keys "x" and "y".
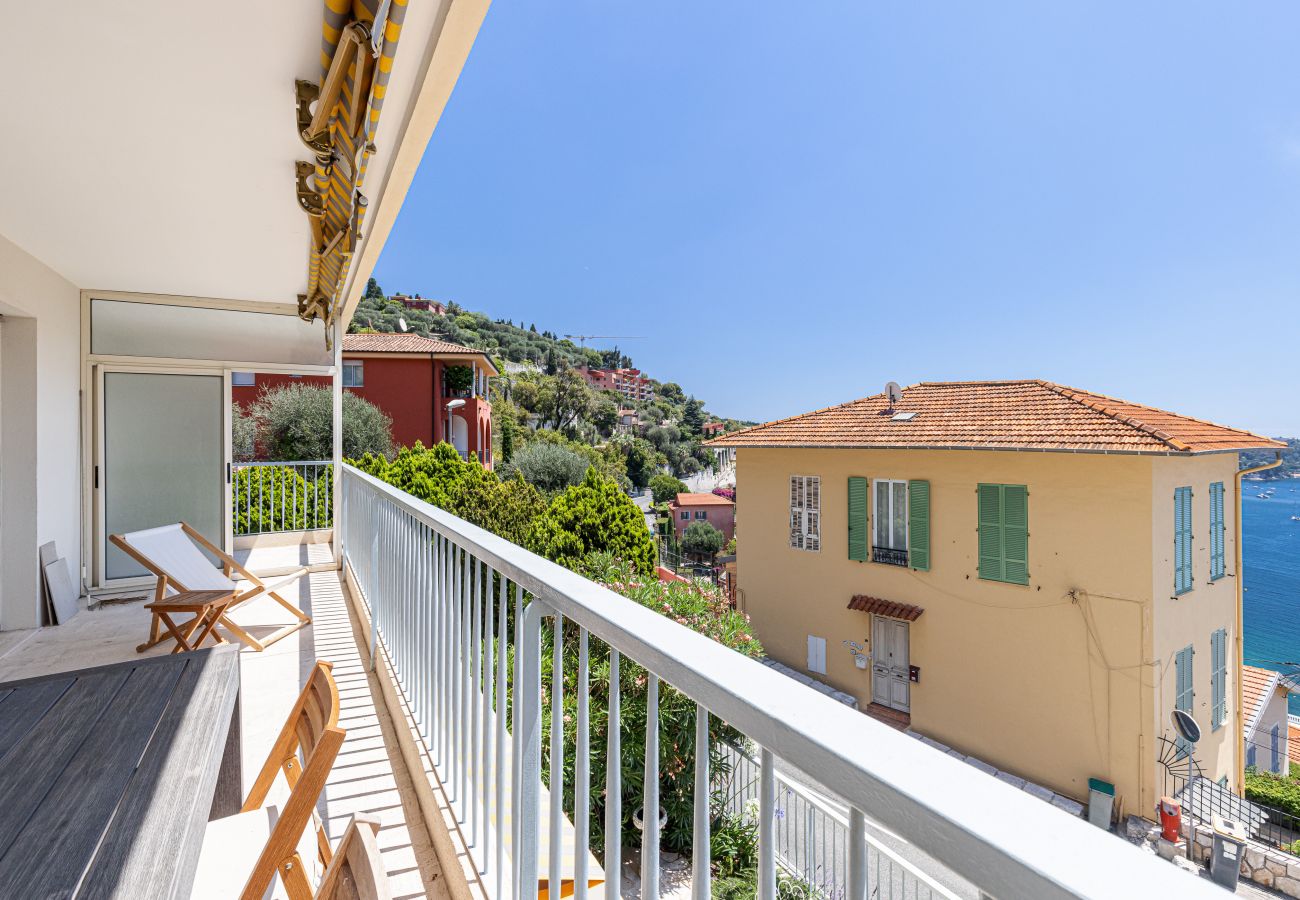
{"x": 889, "y": 663}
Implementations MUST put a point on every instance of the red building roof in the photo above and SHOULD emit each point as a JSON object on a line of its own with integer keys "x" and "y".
{"x": 702, "y": 500}
{"x": 409, "y": 343}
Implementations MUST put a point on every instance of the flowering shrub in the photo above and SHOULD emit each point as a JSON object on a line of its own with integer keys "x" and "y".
{"x": 729, "y": 493}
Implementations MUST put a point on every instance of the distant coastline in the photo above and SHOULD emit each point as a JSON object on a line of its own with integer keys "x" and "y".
{"x": 1290, "y": 467}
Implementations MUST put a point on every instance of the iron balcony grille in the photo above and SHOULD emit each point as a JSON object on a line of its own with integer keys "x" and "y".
{"x": 889, "y": 556}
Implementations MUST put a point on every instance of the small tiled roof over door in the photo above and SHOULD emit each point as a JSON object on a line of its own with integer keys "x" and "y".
{"x": 876, "y": 606}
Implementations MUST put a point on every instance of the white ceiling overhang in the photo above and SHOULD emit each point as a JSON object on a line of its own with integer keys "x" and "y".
{"x": 152, "y": 145}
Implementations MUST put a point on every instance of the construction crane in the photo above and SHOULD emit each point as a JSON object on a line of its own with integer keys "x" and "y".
{"x": 583, "y": 338}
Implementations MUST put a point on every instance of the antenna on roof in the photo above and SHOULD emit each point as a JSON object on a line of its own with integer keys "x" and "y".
{"x": 893, "y": 393}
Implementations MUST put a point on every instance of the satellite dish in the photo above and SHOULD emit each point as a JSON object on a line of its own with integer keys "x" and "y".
{"x": 401, "y": 323}
{"x": 893, "y": 392}
{"x": 1185, "y": 725}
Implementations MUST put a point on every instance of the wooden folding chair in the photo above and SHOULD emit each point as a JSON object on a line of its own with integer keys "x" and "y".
{"x": 357, "y": 870}
{"x": 304, "y": 752}
{"x": 175, "y": 554}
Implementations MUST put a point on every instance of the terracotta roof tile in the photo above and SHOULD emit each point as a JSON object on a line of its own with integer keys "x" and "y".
{"x": 1256, "y": 684}
{"x": 998, "y": 415}
{"x": 863, "y": 603}
{"x": 702, "y": 500}
{"x": 1293, "y": 743}
{"x": 401, "y": 343}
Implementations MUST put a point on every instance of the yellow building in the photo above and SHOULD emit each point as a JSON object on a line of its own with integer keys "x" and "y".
{"x": 1031, "y": 574}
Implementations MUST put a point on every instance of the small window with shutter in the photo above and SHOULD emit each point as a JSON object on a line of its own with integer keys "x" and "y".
{"x": 857, "y": 497}
{"x": 1219, "y": 678}
{"x": 805, "y": 512}
{"x": 1217, "y": 531}
{"x": 1003, "y": 511}
{"x": 1182, "y": 540}
{"x": 1183, "y": 692}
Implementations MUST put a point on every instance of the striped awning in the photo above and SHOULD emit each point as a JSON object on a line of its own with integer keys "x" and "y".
{"x": 358, "y": 42}
{"x": 879, "y": 607}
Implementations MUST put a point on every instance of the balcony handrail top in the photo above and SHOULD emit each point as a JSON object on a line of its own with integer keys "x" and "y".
{"x": 1002, "y": 839}
{"x": 284, "y": 462}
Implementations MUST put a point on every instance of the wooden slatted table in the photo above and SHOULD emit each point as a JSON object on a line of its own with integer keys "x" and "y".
{"x": 109, "y": 775}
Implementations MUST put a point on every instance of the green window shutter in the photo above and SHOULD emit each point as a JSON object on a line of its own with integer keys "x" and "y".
{"x": 990, "y": 531}
{"x": 1015, "y": 533}
{"x": 858, "y": 542}
{"x": 918, "y": 525}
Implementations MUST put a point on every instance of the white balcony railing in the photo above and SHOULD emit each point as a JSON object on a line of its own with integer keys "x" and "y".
{"x": 428, "y": 579}
{"x": 273, "y": 497}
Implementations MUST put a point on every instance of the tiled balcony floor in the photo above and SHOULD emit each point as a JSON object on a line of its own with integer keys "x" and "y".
{"x": 365, "y": 778}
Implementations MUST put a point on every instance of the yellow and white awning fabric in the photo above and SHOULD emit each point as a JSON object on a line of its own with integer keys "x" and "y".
{"x": 358, "y": 43}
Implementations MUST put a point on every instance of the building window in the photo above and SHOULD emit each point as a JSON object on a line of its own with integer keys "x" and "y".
{"x": 242, "y": 379}
{"x": 889, "y": 534}
{"x": 817, "y": 654}
{"x": 1003, "y": 532}
{"x": 701, "y": 514}
{"x": 686, "y": 515}
{"x": 1217, "y": 530}
{"x": 1183, "y": 693}
{"x": 1219, "y": 678}
{"x": 353, "y": 373}
{"x": 806, "y": 512}
{"x": 1182, "y": 540}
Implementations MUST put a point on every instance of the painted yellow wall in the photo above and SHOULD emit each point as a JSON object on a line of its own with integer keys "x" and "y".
{"x": 1189, "y": 619}
{"x": 1051, "y": 680}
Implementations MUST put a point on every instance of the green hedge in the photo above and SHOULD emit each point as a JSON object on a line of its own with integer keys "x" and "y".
{"x": 278, "y": 498}
{"x": 1279, "y": 792}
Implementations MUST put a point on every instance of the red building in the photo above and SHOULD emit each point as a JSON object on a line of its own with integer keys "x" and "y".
{"x": 628, "y": 382}
{"x": 437, "y": 307}
{"x": 717, "y": 511}
{"x": 406, "y": 376}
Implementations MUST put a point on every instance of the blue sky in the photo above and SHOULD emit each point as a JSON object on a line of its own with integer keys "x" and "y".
{"x": 797, "y": 203}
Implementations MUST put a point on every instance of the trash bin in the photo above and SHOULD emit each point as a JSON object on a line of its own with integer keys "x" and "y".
{"x": 1101, "y": 800}
{"x": 1225, "y": 854}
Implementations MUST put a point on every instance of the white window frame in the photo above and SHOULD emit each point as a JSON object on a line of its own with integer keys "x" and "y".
{"x": 805, "y": 513}
{"x": 357, "y": 366}
{"x": 888, "y": 520}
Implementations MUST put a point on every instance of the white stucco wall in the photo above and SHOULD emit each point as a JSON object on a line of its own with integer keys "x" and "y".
{"x": 40, "y": 343}
{"x": 1274, "y": 713}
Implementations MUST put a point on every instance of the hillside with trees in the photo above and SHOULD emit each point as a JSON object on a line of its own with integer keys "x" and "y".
{"x": 549, "y": 424}
{"x": 1290, "y": 467}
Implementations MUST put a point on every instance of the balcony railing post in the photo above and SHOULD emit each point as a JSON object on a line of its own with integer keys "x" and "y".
{"x": 766, "y": 826}
{"x": 528, "y": 700}
{"x": 613, "y": 788}
{"x": 650, "y": 805}
{"x": 701, "y": 850}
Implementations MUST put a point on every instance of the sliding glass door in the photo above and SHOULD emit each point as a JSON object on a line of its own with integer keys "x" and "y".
{"x": 162, "y": 457}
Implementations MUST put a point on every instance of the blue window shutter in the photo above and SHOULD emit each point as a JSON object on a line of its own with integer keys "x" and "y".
{"x": 1217, "y": 531}
{"x": 1182, "y": 540}
{"x": 1218, "y": 677}
{"x": 1183, "y": 690}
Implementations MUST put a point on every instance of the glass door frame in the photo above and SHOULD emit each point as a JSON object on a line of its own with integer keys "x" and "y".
{"x": 99, "y": 541}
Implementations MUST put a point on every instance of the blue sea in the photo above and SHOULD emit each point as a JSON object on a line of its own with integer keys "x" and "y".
{"x": 1271, "y": 547}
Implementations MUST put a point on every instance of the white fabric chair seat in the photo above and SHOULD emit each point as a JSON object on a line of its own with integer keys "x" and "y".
{"x": 231, "y": 847}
